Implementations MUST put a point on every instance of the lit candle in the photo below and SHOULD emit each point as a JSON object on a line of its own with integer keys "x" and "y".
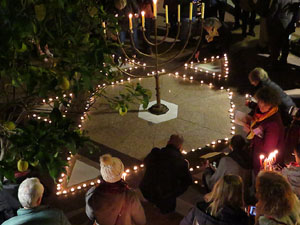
{"x": 275, "y": 153}
{"x": 202, "y": 10}
{"x": 167, "y": 15}
{"x": 143, "y": 19}
{"x": 130, "y": 21}
{"x": 261, "y": 157}
{"x": 178, "y": 13}
{"x": 104, "y": 26}
{"x": 154, "y": 8}
{"x": 191, "y": 10}
{"x": 124, "y": 176}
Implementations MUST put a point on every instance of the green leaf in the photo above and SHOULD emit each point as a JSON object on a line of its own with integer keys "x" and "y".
{"x": 40, "y": 12}
{"x": 22, "y": 49}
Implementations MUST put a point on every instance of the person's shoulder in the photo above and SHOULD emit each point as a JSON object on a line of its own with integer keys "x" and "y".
{"x": 266, "y": 221}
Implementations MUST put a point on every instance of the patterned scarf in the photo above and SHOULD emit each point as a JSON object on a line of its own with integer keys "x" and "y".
{"x": 258, "y": 117}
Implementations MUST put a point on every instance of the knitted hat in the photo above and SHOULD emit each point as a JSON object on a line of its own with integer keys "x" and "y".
{"x": 111, "y": 168}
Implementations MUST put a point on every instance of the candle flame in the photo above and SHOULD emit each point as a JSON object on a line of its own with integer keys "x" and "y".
{"x": 261, "y": 156}
{"x": 154, "y": 1}
{"x": 143, "y": 13}
{"x": 130, "y": 15}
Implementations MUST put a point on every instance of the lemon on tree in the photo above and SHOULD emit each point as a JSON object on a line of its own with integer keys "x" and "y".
{"x": 9, "y": 125}
{"x": 65, "y": 83}
{"x": 22, "y": 165}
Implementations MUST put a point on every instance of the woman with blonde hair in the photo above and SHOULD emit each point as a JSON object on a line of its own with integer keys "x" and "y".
{"x": 277, "y": 204}
{"x": 223, "y": 206}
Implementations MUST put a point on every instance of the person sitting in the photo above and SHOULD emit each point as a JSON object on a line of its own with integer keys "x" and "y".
{"x": 30, "y": 195}
{"x": 292, "y": 172}
{"x": 277, "y": 204}
{"x": 265, "y": 129}
{"x": 238, "y": 162}
{"x": 112, "y": 201}
{"x": 167, "y": 175}
{"x": 223, "y": 206}
{"x": 259, "y": 78}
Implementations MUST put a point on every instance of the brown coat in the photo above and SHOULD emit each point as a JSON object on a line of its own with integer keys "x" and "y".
{"x": 114, "y": 205}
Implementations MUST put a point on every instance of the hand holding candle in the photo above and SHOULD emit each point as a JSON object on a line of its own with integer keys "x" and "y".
{"x": 261, "y": 157}
{"x": 130, "y": 21}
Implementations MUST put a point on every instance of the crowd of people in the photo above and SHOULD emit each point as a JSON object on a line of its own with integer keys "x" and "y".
{"x": 239, "y": 190}
{"x": 278, "y": 20}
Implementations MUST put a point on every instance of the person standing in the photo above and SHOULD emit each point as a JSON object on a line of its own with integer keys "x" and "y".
{"x": 146, "y": 6}
{"x": 248, "y": 17}
{"x": 112, "y": 202}
{"x": 281, "y": 22}
{"x": 167, "y": 175}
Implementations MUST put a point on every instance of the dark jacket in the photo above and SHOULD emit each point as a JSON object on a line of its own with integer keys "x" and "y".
{"x": 226, "y": 216}
{"x": 41, "y": 215}
{"x": 286, "y": 100}
{"x": 185, "y": 8}
{"x": 131, "y": 7}
{"x": 114, "y": 204}
{"x": 167, "y": 174}
{"x": 282, "y": 13}
{"x": 9, "y": 203}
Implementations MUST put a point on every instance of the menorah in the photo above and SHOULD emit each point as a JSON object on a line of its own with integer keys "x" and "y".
{"x": 159, "y": 108}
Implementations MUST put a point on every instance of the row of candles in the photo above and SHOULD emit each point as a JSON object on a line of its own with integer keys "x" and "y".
{"x": 266, "y": 163}
{"x": 63, "y": 179}
{"x": 167, "y": 14}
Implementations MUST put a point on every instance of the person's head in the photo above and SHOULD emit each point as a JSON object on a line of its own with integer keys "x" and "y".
{"x": 297, "y": 153}
{"x": 274, "y": 194}
{"x": 120, "y": 4}
{"x": 176, "y": 140}
{"x": 228, "y": 191}
{"x": 257, "y": 75}
{"x": 267, "y": 98}
{"x": 30, "y": 193}
{"x": 210, "y": 23}
{"x": 237, "y": 142}
{"x": 111, "y": 168}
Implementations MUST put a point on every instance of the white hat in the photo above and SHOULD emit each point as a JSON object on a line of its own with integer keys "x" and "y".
{"x": 111, "y": 168}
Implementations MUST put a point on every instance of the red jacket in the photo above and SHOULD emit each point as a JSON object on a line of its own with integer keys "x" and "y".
{"x": 273, "y": 138}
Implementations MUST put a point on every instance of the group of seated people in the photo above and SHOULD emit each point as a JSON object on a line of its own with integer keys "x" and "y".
{"x": 167, "y": 176}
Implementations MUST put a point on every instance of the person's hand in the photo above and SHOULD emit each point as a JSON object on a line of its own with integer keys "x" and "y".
{"x": 197, "y": 55}
{"x": 246, "y": 128}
